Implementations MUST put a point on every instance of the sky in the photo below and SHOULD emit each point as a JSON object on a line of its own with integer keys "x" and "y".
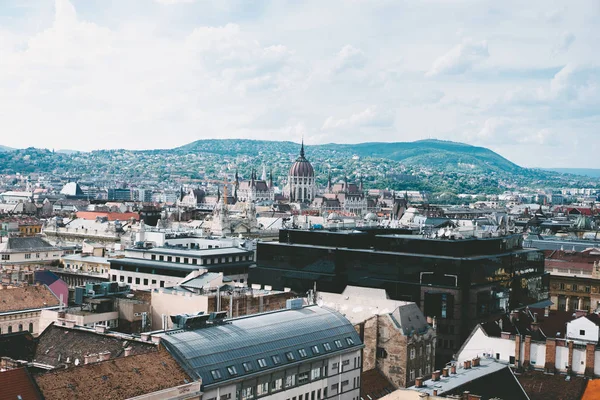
{"x": 519, "y": 77}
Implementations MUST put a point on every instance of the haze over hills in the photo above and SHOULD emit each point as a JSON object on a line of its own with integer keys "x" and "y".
{"x": 591, "y": 172}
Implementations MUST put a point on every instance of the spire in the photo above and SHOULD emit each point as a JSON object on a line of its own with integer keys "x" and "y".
{"x": 271, "y": 178}
{"x": 329, "y": 182}
{"x": 302, "y": 148}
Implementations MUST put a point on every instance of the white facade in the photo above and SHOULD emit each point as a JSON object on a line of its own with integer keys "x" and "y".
{"x": 29, "y": 256}
{"x": 337, "y": 377}
{"x": 144, "y": 281}
{"x": 582, "y": 329}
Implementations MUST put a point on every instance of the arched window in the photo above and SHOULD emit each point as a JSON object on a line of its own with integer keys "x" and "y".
{"x": 20, "y": 327}
{"x": 31, "y": 327}
{"x": 10, "y": 329}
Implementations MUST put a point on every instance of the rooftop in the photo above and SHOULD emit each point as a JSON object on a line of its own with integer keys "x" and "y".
{"x": 489, "y": 380}
{"x": 261, "y": 342}
{"x": 59, "y": 345}
{"x": 184, "y": 251}
{"x": 18, "y": 384}
{"x": 90, "y": 259}
{"x": 541, "y": 386}
{"x": 114, "y": 379}
{"x": 27, "y": 298}
{"x": 31, "y": 243}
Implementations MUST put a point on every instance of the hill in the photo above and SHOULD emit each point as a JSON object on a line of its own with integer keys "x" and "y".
{"x": 424, "y": 153}
{"x": 5, "y": 148}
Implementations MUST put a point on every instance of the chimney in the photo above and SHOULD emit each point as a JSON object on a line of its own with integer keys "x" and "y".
{"x": 104, "y": 356}
{"x": 435, "y": 392}
{"x": 475, "y": 362}
{"x": 145, "y": 337}
{"x": 436, "y": 375}
{"x": 467, "y": 364}
{"x": 453, "y": 369}
{"x": 100, "y": 328}
{"x": 419, "y": 382}
{"x": 127, "y": 351}
{"x": 445, "y": 372}
{"x": 89, "y": 358}
{"x": 69, "y": 323}
{"x": 155, "y": 339}
{"x": 547, "y": 312}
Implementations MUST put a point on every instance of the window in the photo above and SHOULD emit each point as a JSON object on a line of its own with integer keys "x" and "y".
{"x": 186, "y": 260}
{"x": 276, "y": 359}
{"x": 575, "y": 287}
{"x": 582, "y": 332}
{"x": 302, "y": 378}
{"x": 349, "y": 341}
{"x": 327, "y": 346}
{"x": 247, "y": 366}
{"x": 216, "y": 374}
{"x": 137, "y": 281}
{"x": 334, "y": 366}
{"x": 194, "y": 261}
{"x": 129, "y": 279}
{"x": 412, "y": 374}
{"x": 121, "y": 278}
{"x": 412, "y": 354}
{"x": 335, "y": 386}
{"x": 276, "y": 384}
{"x": 289, "y": 356}
{"x": 562, "y": 286}
{"x": 153, "y": 257}
{"x": 262, "y": 362}
{"x": 161, "y": 258}
{"x": 262, "y": 388}
{"x": 315, "y": 373}
{"x": 27, "y": 256}
{"x": 145, "y": 282}
{"x": 345, "y": 383}
{"x": 162, "y": 283}
{"x": 226, "y": 396}
{"x": 315, "y": 349}
{"x": 232, "y": 370}
{"x": 20, "y": 327}
{"x": 5, "y": 257}
{"x": 247, "y": 393}
{"x": 345, "y": 362}
{"x": 290, "y": 380}
{"x": 302, "y": 353}
{"x": 153, "y": 281}
{"x": 177, "y": 259}
{"x": 37, "y": 255}
{"x": 338, "y": 344}
{"x": 169, "y": 258}
{"x": 31, "y": 327}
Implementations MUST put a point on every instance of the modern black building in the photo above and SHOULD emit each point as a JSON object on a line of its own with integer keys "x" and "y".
{"x": 459, "y": 282}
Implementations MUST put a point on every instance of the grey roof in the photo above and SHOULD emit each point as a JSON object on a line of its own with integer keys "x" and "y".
{"x": 201, "y": 281}
{"x": 409, "y": 319}
{"x": 140, "y": 262}
{"x": 248, "y": 339}
{"x": 91, "y": 259}
{"x": 28, "y": 244}
{"x": 185, "y": 252}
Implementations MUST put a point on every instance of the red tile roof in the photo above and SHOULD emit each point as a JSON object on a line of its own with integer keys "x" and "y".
{"x": 18, "y": 382}
{"x": 112, "y": 216}
{"x": 26, "y": 298}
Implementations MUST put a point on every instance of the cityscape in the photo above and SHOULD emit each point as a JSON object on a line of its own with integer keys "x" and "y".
{"x": 186, "y": 213}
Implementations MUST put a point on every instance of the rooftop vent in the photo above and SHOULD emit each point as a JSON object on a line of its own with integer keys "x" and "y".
{"x": 294, "y": 304}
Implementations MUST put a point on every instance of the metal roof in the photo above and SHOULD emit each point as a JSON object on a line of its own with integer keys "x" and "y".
{"x": 260, "y": 337}
{"x": 175, "y": 266}
{"x": 185, "y": 252}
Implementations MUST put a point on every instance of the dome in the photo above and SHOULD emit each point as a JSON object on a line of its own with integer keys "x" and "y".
{"x": 302, "y": 167}
{"x": 371, "y": 217}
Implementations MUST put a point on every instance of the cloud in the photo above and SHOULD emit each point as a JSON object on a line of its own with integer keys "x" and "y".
{"x": 372, "y": 116}
{"x": 460, "y": 58}
{"x": 349, "y": 58}
{"x": 172, "y": 2}
{"x": 564, "y": 43}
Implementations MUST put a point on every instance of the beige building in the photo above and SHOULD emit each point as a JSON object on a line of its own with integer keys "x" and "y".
{"x": 86, "y": 264}
{"x": 27, "y": 250}
{"x": 21, "y": 308}
{"x": 398, "y": 340}
{"x": 200, "y": 294}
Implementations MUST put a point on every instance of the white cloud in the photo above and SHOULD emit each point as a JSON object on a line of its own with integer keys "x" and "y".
{"x": 564, "y": 42}
{"x": 349, "y": 58}
{"x": 372, "y": 116}
{"x": 89, "y": 76}
{"x": 460, "y": 58}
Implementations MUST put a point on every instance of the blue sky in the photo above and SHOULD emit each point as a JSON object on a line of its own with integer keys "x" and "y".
{"x": 522, "y": 78}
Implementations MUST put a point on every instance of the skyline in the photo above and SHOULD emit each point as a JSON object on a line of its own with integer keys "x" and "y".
{"x": 522, "y": 80}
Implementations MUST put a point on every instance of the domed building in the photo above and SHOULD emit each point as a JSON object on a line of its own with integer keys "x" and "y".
{"x": 301, "y": 186}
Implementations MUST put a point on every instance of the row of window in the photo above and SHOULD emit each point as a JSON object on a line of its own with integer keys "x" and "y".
{"x": 138, "y": 280}
{"x": 413, "y": 352}
{"x": 574, "y": 287}
{"x": 427, "y": 371}
{"x": 203, "y": 261}
{"x": 9, "y": 329}
{"x": 276, "y": 358}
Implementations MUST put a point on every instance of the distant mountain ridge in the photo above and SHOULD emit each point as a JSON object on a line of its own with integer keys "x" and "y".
{"x": 426, "y": 153}
{"x": 6, "y": 148}
{"x": 591, "y": 172}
